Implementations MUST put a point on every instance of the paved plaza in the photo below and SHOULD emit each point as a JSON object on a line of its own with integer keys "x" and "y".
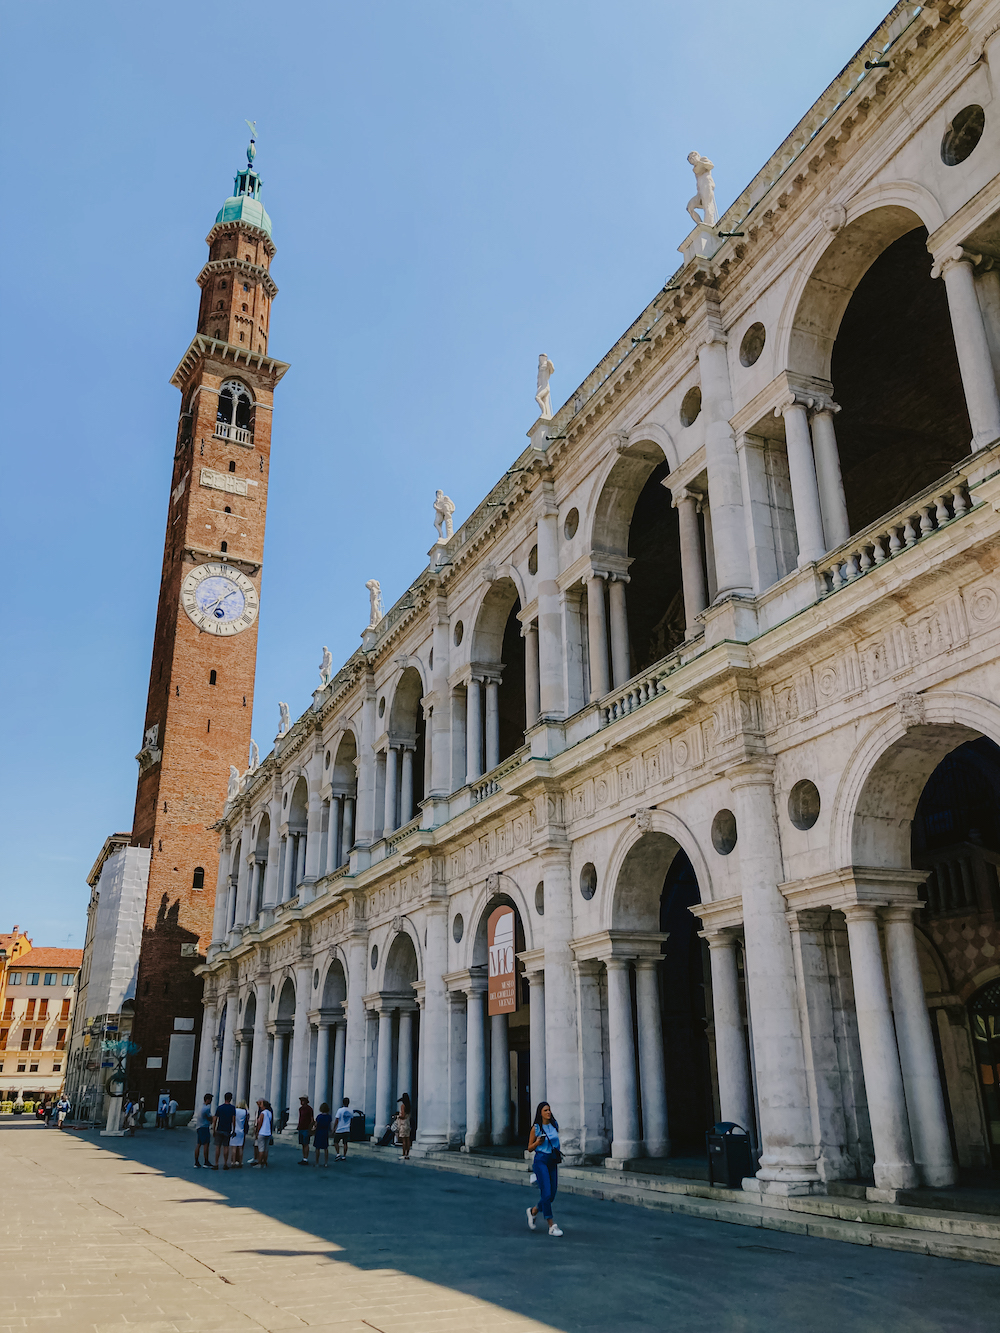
{"x": 115, "y": 1234}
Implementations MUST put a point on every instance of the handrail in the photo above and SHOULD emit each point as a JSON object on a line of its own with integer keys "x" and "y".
{"x": 490, "y": 782}
{"x": 638, "y": 691}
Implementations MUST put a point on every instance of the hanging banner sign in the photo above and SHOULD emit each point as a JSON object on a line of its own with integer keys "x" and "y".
{"x": 502, "y": 996}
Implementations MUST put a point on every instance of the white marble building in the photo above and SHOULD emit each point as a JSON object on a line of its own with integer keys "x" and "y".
{"x": 707, "y": 690}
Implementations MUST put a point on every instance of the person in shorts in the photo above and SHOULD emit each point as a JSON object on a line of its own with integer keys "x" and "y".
{"x": 222, "y": 1126}
{"x": 265, "y": 1123}
{"x": 342, "y": 1130}
{"x": 171, "y": 1114}
{"x": 321, "y": 1134}
{"x": 305, "y": 1129}
{"x": 203, "y": 1128}
{"x": 62, "y": 1110}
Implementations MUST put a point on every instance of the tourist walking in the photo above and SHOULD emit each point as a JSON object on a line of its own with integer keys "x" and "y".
{"x": 131, "y": 1111}
{"x": 342, "y": 1130}
{"x": 321, "y": 1133}
{"x": 403, "y": 1126}
{"x": 305, "y": 1129}
{"x": 162, "y": 1108}
{"x": 264, "y": 1139}
{"x": 543, "y": 1140}
{"x": 203, "y": 1129}
{"x": 62, "y": 1110}
{"x": 225, "y": 1118}
{"x": 172, "y": 1114}
{"x": 238, "y": 1136}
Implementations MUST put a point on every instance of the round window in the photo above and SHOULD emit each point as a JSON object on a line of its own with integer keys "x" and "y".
{"x": 724, "y": 832}
{"x": 430, "y": 660}
{"x": 962, "y": 135}
{"x": 533, "y": 560}
{"x": 459, "y": 631}
{"x": 540, "y": 898}
{"x": 381, "y": 706}
{"x": 588, "y": 880}
{"x": 571, "y": 524}
{"x": 316, "y": 979}
{"x": 803, "y": 804}
{"x": 326, "y": 763}
{"x": 457, "y": 928}
{"x": 272, "y": 995}
{"x": 752, "y": 344}
{"x": 374, "y": 957}
{"x": 239, "y": 1007}
{"x": 284, "y": 801}
{"x": 691, "y": 406}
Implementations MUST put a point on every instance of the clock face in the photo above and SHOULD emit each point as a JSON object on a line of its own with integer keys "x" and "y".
{"x": 219, "y": 599}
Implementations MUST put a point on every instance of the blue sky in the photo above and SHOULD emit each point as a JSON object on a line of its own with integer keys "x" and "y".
{"x": 454, "y": 188}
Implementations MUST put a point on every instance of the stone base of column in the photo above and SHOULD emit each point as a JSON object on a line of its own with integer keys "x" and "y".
{"x": 786, "y": 1178}
{"x": 656, "y": 1147}
{"x": 783, "y": 1188}
{"x": 622, "y": 1151}
{"x": 895, "y": 1176}
{"x": 429, "y": 1143}
{"x": 480, "y": 1140}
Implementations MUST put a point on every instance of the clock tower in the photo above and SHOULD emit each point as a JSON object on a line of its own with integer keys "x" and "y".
{"x": 201, "y": 683}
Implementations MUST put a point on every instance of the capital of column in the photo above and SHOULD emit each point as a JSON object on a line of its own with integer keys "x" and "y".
{"x": 758, "y": 771}
{"x": 862, "y": 911}
{"x": 957, "y": 254}
{"x": 806, "y": 918}
{"x": 794, "y": 400}
{"x": 683, "y": 495}
{"x": 824, "y": 407}
{"x": 900, "y": 912}
{"x": 722, "y": 941}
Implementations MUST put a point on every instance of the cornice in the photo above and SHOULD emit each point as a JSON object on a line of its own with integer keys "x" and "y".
{"x": 249, "y": 567}
{"x": 235, "y": 224}
{"x": 256, "y": 272}
{"x": 202, "y": 346}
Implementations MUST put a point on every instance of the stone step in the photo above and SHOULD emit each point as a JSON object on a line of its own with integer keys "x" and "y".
{"x": 935, "y": 1232}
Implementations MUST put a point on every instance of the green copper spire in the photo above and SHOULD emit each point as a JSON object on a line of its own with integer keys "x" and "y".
{"x": 244, "y": 205}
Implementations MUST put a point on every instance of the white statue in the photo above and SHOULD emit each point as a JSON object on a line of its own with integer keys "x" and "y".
{"x": 326, "y": 667}
{"x": 283, "y": 710}
{"x": 705, "y": 198}
{"x": 375, "y": 593}
{"x": 233, "y": 790}
{"x": 254, "y": 757}
{"x": 443, "y": 510}
{"x": 543, "y": 396}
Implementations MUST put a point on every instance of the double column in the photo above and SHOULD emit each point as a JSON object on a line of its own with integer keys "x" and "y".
{"x": 693, "y": 578}
{"x": 605, "y": 675}
{"x": 482, "y": 733}
{"x": 258, "y": 1064}
{"x": 818, "y": 502}
{"x": 731, "y": 1055}
{"x": 957, "y": 267}
{"x": 476, "y": 1126}
{"x": 627, "y": 1141}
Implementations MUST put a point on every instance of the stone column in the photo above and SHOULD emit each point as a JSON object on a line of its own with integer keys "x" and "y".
{"x": 334, "y": 826}
{"x": 298, "y": 1073}
{"x": 802, "y": 476}
{"x": 302, "y": 851}
{"x": 206, "y": 1053}
{"x": 917, "y": 1056}
{"x": 241, "y": 914}
{"x": 404, "y": 1055}
{"x": 836, "y": 524}
{"x": 474, "y": 731}
{"x": 347, "y": 840}
{"x": 597, "y": 637}
{"x": 383, "y": 1072}
{"x": 242, "y": 1070}
{"x": 220, "y": 923}
{"x": 621, "y": 1043}
{"x": 735, "y": 1093}
{"x": 725, "y": 491}
{"x": 258, "y": 1065}
{"x": 788, "y": 1164}
{"x": 432, "y": 1037}
{"x": 499, "y": 1080}
{"x": 340, "y": 1046}
{"x": 978, "y": 381}
{"x": 621, "y": 668}
{"x": 529, "y": 633}
{"x": 322, "y": 1076}
{"x": 458, "y": 1025}
{"x": 894, "y": 1168}
{"x": 257, "y": 897}
{"x": 536, "y": 1036}
{"x": 550, "y": 645}
{"x": 492, "y": 724}
{"x": 288, "y": 868}
{"x": 272, "y": 884}
{"x": 692, "y": 568}
{"x": 228, "y": 1045}
{"x": 231, "y": 900}
{"x": 439, "y": 739}
{"x": 562, "y": 1069}
{"x": 314, "y": 833}
{"x": 406, "y": 787}
{"x": 357, "y": 1020}
{"x": 476, "y": 1133}
{"x": 279, "y": 1075}
{"x": 389, "y": 824}
{"x": 652, "y": 1075}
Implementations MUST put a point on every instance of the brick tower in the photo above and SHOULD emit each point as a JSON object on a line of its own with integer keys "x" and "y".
{"x": 200, "y": 699}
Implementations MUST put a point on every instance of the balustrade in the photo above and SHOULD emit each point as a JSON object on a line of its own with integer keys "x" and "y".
{"x": 638, "y": 691}
{"x": 225, "y": 431}
{"x": 490, "y": 782}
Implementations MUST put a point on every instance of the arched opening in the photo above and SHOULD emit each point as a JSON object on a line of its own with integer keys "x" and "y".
{"x": 655, "y": 891}
{"x": 498, "y": 678}
{"x": 260, "y": 866}
{"x": 294, "y": 857}
{"x": 507, "y": 1040}
{"x": 340, "y": 809}
{"x": 903, "y": 421}
{"x": 234, "y": 415}
{"x": 398, "y": 1001}
{"x": 654, "y": 598}
{"x": 281, "y": 1056}
{"x": 335, "y": 986}
{"x": 406, "y": 755}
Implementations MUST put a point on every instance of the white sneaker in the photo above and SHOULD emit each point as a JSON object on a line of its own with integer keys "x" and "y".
{"x": 554, "y": 1230}
{"x": 531, "y": 1219}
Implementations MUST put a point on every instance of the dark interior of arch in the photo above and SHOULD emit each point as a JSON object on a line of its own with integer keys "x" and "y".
{"x": 511, "y": 693}
{"x": 654, "y": 601}
{"x": 690, "y": 1105}
{"x": 961, "y": 801}
{"x": 903, "y": 421}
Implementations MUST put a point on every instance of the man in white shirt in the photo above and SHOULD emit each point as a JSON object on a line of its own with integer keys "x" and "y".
{"x": 342, "y": 1130}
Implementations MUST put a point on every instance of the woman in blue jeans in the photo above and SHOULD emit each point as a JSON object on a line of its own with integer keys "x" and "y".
{"x": 544, "y": 1142}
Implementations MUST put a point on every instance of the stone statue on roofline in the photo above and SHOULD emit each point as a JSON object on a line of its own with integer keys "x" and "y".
{"x": 283, "y": 710}
{"x": 233, "y": 789}
{"x": 326, "y": 668}
{"x": 443, "y": 510}
{"x": 705, "y": 198}
{"x": 543, "y": 395}
{"x": 375, "y": 595}
{"x": 254, "y": 757}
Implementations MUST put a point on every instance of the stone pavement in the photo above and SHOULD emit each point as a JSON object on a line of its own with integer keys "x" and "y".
{"x": 105, "y": 1235}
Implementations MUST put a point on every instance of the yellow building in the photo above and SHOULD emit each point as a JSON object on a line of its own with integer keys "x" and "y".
{"x": 37, "y": 994}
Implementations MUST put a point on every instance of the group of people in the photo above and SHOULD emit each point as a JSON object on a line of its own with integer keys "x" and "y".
{"x": 229, "y": 1126}
{"x": 317, "y": 1128}
{"x": 49, "y": 1110}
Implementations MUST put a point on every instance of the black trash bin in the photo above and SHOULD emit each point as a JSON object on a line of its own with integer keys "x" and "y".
{"x": 729, "y": 1157}
{"x": 357, "y": 1130}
